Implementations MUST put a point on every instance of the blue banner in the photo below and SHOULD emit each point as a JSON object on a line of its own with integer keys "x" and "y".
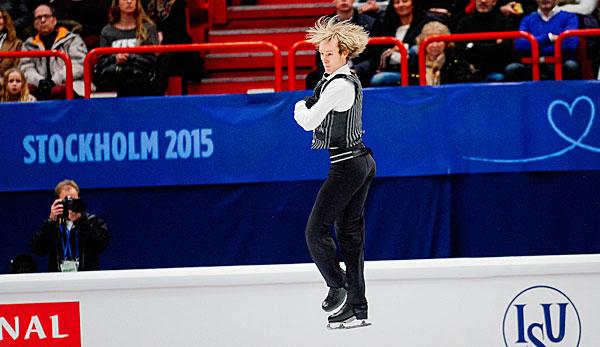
{"x": 222, "y": 139}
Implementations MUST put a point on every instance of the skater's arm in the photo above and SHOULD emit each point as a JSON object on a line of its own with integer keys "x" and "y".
{"x": 339, "y": 96}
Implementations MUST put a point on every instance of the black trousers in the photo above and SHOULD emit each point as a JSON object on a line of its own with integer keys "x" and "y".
{"x": 341, "y": 201}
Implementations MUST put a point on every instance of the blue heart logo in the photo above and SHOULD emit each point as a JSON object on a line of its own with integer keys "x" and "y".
{"x": 570, "y": 108}
{"x": 574, "y": 142}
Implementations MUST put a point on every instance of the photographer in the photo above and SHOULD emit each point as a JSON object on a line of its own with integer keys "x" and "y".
{"x": 71, "y": 237}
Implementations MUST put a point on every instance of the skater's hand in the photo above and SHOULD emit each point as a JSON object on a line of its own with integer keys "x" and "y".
{"x": 310, "y": 101}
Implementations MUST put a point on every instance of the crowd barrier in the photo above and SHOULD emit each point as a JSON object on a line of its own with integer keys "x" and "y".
{"x": 480, "y": 37}
{"x": 558, "y": 47}
{"x": 54, "y": 53}
{"x": 90, "y": 58}
{"x": 278, "y": 68}
{"x": 372, "y": 41}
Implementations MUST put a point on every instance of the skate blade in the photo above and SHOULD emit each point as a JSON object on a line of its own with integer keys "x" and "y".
{"x": 360, "y": 323}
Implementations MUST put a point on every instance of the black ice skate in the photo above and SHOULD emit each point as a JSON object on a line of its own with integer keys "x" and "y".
{"x": 349, "y": 316}
{"x": 335, "y": 298}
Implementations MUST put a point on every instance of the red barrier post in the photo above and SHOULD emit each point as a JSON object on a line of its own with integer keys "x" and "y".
{"x": 39, "y": 54}
{"x": 403, "y": 54}
{"x": 225, "y": 46}
{"x": 558, "y": 73}
{"x": 292, "y": 61}
{"x": 372, "y": 41}
{"x": 504, "y": 35}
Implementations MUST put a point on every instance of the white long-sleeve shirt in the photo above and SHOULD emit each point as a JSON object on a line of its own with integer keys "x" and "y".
{"x": 339, "y": 96}
{"x": 584, "y": 7}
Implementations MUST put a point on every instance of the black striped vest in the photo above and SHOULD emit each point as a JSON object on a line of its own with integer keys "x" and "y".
{"x": 339, "y": 129}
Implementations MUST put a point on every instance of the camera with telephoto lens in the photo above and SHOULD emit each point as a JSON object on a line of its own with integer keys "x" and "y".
{"x": 70, "y": 204}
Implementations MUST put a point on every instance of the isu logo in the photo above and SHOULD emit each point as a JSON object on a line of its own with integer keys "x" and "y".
{"x": 541, "y": 316}
{"x": 42, "y": 325}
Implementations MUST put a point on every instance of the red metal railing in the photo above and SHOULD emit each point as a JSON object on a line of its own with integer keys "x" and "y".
{"x": 292, "y": 61}
{"x": 372, "y": 41}
{"x": 90, "y": 59}
{"x": 40, "y": 54}
{"x": 535, "y": 54}
{"x": 558, "y": 58}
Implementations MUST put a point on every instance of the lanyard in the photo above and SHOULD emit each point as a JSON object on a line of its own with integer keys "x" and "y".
{"x": 67, "y": 244}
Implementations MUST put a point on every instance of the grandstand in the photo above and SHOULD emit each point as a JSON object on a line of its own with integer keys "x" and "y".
{"x": 481, "y": 224}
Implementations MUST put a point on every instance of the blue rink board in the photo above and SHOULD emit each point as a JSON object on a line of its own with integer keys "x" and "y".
{"x": 227, "y": 139}
{"x": 524, "y": 164}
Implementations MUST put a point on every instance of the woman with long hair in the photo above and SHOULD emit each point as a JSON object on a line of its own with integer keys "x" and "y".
{"x": 8, "y": 42}
{"x": 129, "y": 74}
{"x": 402, "y": 22}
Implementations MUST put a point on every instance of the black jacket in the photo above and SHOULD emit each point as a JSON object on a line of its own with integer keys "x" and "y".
{"x": 486, "y": 56}
{"x": 454, "y": 70}
{"x": 93, "y": 239}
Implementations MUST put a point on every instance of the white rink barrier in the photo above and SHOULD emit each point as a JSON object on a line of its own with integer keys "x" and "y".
{"x": 476, "y": 302}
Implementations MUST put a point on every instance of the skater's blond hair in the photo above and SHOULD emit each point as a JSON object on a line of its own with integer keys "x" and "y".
{"x": 351, "y": 38}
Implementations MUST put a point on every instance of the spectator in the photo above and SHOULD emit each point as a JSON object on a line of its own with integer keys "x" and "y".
{"x": 169, "y": 16}
{"x": 400, "y": 22}
{"x": 87, "y": 234}
{"x": 90, "y": 15}
{"x": 8, "y": 42}
{"x": 585, "y": 11}
{"x": 129, "y": 74}
{"x": 489, "y": 58}
{"x": 20, "y": 12}
{"x": 47, "y": 76}
{"x": 360, "y": 65}
{"x": 546, "y": 24}
{"x": 443, "y": 66}
{"x": 15, "y": 88}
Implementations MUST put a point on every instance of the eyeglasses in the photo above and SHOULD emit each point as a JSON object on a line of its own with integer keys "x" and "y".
{"x": 42, "y": 17}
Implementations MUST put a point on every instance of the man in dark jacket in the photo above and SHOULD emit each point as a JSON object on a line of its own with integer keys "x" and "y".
{"x": 360, "y": 65}
{"x": 488, "y": 57}
{"x": 71, "y": 237}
